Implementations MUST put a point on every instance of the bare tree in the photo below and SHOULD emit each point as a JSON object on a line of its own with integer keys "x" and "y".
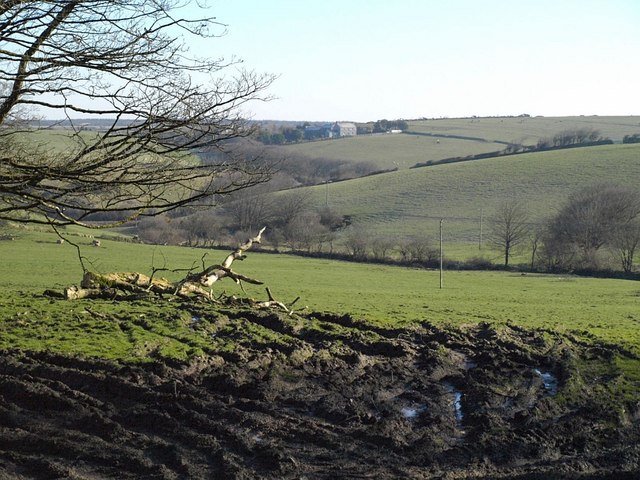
{"x": 288, "y": 207}
{"x": 125, "y": 62}
{"x": 557, "y": 254}
{"x": 536, "y": 238}
{"x": 357, "y": 241}
{"x": 509, "y": 227}
{"x": 200, "y": 228}
{"x": 159, "y": 230}
{"x": 594, "y": 217}
{"x": 625, "y": 243}
{"x": 306, "y": 232}
{"x": 381, "y": 246}
{"x": 418, "y": 249}
{"x": 248, "y": 209}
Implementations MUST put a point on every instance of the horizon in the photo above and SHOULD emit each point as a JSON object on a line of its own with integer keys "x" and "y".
{"x": 523, "y": 115}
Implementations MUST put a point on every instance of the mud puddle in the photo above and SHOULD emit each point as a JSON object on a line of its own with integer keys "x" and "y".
{"x": 549, "y": 381}
{"x": 456, "y": 401}
{"x": 412, "y": 412}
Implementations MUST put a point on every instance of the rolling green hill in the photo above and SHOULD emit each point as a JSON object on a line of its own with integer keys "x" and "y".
{"x": 412, "y": 201}
{"x": 389, "y": 151}
{"x": 465, "y": 194}
{"x": 439, "y": 138}
{"x": 527, "y": 130}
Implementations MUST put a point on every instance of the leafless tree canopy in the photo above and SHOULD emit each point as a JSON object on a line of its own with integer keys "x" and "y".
{"x": 126, "y": 61}
{"x": 595, "y": 217}
{"x": 509, "y": 226}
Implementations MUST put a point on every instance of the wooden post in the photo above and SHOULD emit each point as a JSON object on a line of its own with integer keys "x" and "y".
{"x": 481, "y": 220}
{"x": 326, "y": 193}
{"x": 441, "y": 220}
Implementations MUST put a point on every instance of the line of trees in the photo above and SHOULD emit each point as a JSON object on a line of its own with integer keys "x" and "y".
{"x": 293, "y": 222}
{"x": 299, "y": 133}
{"x": 594, "y": 226}
{"x": 596, "y": 219}
{"x": 382, "y": 126}
{"x": 281, "y": 136}
{"x": 294, "y": 170}
{"x": 566, "y": 138}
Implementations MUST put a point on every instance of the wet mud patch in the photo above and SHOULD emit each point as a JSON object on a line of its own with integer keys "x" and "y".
{"x": 322, "y": 397}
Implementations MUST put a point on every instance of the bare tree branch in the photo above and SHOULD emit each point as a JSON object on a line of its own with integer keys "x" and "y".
{"x": 127, "y": 62}
{"x": 509, "y": 227}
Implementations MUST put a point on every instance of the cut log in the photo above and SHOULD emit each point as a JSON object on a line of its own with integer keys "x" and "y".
{"x": 127, "y": 281}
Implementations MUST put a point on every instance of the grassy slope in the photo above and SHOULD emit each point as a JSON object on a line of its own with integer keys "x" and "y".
{"x": 412, "y": 201}
{"x": 389, "y": 151}
{"x": 55, "y": 140}
{"x": 389, "y": 296}
{"x": 527, "y": 130}
{"x": 403, "y": 151}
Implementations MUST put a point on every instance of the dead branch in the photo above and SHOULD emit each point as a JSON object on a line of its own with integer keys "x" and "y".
{"x": 194, "y": 285}
{"x": 216, "y": 272}
{"x": 272, "y": 302}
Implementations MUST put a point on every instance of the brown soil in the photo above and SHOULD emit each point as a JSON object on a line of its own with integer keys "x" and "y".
{"x": 426, "y": 403}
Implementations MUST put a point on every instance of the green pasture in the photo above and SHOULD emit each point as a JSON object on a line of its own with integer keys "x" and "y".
{"x": 388, "y": 151}
{"x": 54, "y": 140}
{"x": 412, "y": 202}
{"x": 60, "y": 141}
{"x": 604, "y": 310}
{"x": 527, "y": 130}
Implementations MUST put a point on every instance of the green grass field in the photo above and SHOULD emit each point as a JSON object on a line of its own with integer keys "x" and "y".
{"x": 606, "y": 310}
{"x": 411, "y": 202}
{"x": 388, "y": 151}
{"x": 527, "y": 130}
{"x": 54, "y": 140}
{"x": 401, "y": 151}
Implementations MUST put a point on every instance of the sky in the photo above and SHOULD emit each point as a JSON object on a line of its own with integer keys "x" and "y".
{"x": 364, "y": 60}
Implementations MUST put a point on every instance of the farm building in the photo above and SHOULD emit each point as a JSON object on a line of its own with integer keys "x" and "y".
{"x": 328, "y": 130}
{"x": 344, "y": 129}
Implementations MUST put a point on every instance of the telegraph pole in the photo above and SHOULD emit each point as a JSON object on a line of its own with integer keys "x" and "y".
{"x": 326, "y": 193}
{"x": 441, "y": 220}
{"x": 481, "y": 219}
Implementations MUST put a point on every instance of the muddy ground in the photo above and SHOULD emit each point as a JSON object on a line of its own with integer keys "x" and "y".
{"x": 423, "y": 403}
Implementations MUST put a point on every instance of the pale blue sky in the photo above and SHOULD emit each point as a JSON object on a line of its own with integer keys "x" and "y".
{"x": 370, "y": 59}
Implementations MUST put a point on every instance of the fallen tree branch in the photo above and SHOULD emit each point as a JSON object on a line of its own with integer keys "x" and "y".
{"x": 272, "y": 302}
{"x": 216, "y": 272}
{"x": 194, "y": 285}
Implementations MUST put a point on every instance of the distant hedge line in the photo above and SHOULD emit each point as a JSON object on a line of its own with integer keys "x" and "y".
{"x": 471, "y": 264}
{"x": 511, "y": 151}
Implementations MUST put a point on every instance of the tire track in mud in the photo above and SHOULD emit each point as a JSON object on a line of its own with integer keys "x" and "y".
{"x": 327, "y": 397}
